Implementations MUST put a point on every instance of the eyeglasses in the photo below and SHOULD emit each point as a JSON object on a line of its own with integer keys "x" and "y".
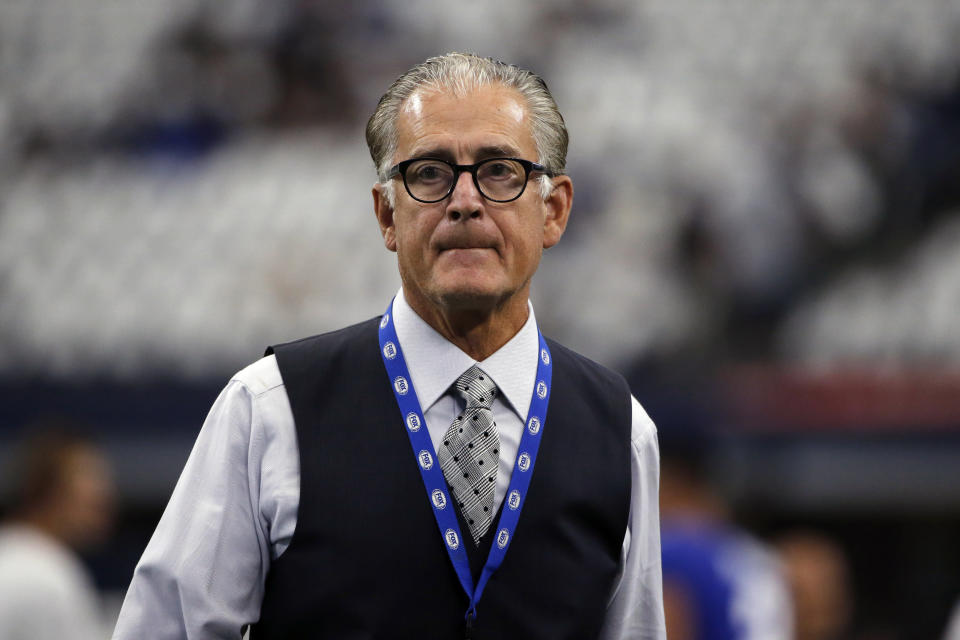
{"x": 497, "y": 179}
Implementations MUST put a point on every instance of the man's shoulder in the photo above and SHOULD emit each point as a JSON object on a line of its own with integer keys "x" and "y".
{"x": 318, "y": 358}
{"x": 577, "y": 363}
{"x": 598, "y": 381}
{"x": 264, "y": 375}
{"x": 354, "y": 332}
{"x": 261, "y": 376}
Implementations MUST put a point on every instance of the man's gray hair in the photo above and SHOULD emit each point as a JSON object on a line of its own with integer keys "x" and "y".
{"x": 460, "y": 73}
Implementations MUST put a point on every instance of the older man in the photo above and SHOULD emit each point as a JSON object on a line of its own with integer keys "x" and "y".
{"x": 441, "y": 470}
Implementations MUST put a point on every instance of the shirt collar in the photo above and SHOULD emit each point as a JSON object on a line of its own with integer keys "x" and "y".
{"x": 435, "y": 363}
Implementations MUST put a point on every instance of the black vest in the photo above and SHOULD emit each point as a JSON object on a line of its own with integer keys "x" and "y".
{"x": 367, "y": 559}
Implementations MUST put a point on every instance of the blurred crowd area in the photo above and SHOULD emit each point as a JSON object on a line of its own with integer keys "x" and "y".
{"x": 776, "y": 180}
{"x": 765, "y": 236}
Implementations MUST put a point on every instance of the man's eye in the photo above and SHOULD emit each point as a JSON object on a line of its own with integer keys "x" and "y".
{"x": 500, "y": 170}
{"x": 428, "y": 173}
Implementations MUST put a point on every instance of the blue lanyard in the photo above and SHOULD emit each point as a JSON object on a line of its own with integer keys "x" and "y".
{"x": 433, "y": 479}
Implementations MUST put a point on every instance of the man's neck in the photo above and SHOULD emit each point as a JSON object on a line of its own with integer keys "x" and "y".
{"x": 478, "y": 332}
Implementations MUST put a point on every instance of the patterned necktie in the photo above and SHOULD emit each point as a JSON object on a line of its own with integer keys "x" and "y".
{"x": 470, "y": 452}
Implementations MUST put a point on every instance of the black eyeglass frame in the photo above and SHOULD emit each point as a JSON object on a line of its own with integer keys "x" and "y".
{"x": 400, "y": 169}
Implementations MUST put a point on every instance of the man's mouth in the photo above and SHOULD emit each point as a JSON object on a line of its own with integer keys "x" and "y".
{"x": 463, "y": 247}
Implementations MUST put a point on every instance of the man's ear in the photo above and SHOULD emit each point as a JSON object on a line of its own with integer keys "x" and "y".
{"x": 558, "y": 205}
{"x": 384, "y": 213}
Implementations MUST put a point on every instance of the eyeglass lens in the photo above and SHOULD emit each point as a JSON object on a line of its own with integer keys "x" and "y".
{"x": 498, "y": 179}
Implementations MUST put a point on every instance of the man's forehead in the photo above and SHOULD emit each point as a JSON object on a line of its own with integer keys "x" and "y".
{"x": 509, "y": 99}
{"x": 483, "y": 118}
{"x": 413, "y": 106}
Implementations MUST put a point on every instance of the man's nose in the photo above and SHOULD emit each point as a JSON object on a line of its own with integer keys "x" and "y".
{"x": 465, "y": 201}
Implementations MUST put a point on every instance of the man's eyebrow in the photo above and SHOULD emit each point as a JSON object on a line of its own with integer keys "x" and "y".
{"x": 433, "y": 152}
{"x": 497, "y": 151}
{"x": 484, "y": 152}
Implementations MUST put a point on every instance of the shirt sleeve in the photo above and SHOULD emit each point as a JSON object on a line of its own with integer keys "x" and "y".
{"x": 636, "y": 607}
{"x": 202, "y": 574}
{"x": 953, "y": 627}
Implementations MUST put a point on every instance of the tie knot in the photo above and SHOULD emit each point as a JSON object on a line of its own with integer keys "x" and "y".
{"x": 476, "y": 388}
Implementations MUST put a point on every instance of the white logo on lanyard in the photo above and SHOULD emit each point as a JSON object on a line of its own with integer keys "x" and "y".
{"x": 513, "y": 500}
{"x": 413, "y": 422}
{"x": 385, "y": 320}
{"x": 524, "y": 461}
{"x": 390, "y": 351}
{"x": 401, "y": 385}
{"x": 542, "y": 389}
{"x": 453, "y": 541}
{"x": 439, "y": 499}
{"x": 426, "y": 460}
{"x": 503, "y": 537}
{"x": 545, "y": 357}
{"x": 534, "y": 426}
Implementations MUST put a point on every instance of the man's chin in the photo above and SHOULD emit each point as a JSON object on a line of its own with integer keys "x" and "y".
{"x": 470, "y": 296}
{"x": 469, "y": 299}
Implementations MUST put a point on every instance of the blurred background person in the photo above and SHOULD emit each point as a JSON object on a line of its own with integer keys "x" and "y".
{"x": 818, "y": 575}
{"x": 64, "y": 505}
{"x": 719, "y": 582}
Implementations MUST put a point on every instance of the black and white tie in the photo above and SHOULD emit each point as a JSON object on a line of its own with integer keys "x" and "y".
{"x": 470, "y": 452}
